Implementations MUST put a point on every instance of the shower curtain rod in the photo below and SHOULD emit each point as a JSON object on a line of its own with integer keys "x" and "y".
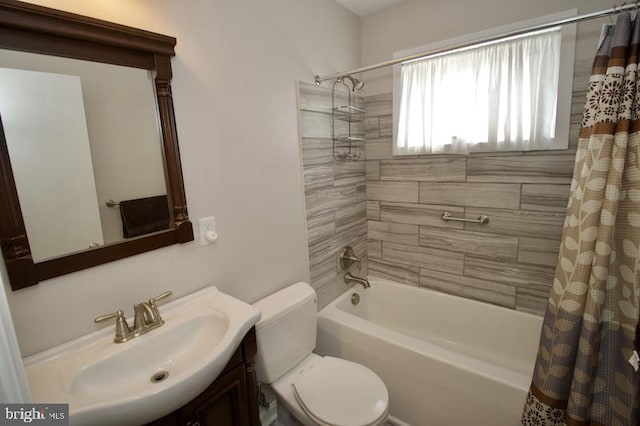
{"x": 539, "y": 27}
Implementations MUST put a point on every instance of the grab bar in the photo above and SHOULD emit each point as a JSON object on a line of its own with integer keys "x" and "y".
{"x": 482, "y": 219}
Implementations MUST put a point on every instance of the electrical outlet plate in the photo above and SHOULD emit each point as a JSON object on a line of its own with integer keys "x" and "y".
{"x": 206, "y": 224}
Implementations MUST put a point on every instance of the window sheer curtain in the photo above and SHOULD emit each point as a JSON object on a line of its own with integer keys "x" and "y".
{"x": 501, "y": 96}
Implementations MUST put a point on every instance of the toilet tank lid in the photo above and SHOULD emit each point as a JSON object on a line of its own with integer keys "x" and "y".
{"x": 283, "y": 302}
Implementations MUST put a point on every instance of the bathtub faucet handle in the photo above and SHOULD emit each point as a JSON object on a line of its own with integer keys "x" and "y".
{"x": 348, "y": 257}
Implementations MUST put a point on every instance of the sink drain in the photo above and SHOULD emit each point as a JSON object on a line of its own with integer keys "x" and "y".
{"x": 159, "y": 376}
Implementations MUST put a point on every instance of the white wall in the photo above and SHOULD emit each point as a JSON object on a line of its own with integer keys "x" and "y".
{"x": 235, "y": 101}
{"x": 417, "y": 22}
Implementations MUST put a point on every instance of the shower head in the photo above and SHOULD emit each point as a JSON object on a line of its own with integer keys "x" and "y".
{"x": 355, "y": 83}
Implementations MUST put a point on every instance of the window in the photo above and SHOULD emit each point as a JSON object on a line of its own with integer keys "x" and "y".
{"x": 497, "y": 96}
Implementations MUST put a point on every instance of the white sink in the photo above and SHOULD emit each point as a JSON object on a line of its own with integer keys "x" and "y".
{"x": 135, "y": 382}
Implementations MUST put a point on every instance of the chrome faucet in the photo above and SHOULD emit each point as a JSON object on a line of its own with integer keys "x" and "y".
{"x": 146, "y": 318}
{"x": 352, "y": 279}
{"x": 347, "y": 258}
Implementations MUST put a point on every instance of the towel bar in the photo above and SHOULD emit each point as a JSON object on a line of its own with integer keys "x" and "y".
{"x": 482, "y": 219}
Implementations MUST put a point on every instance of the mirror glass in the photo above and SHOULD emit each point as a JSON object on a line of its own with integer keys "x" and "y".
{"x": 80, "y": 135}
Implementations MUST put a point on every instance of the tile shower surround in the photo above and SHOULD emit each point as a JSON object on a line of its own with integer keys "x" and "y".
{"x": 335, "y": 193}
{"x": 508, "y": 262}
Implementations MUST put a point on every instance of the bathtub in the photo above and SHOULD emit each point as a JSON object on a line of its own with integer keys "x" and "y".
{"x": 446, "y": 360}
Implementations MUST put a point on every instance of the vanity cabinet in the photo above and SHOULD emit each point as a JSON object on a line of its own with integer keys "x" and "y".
{"x": 231, "y": 400}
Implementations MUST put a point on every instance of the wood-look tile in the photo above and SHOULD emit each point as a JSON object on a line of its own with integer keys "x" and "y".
{"x": 427, "y": 170}
{"x": 322, "y": 271}
{"x": 372, "y": 128}
{"x": 386, "y": 125}
{"x": 350, "y": 214}
{"x": 533, "y": 302}
{"x": 423, "y": 257}
{"x": 315, "y": 124}
{"x": 379, "y": 105}
{"x": 393, "y": 232}
{"x": 512, "y": 273}
{"x": 574, "y": 135}
{"x": 528, "y": 223}
{"x": 355, "y": 236}
{"x": 378, "y": 149}
{"x": 314, "y": 98}
{"x": 372, "y": 170}
{"x": 349, "y": 194}
{"x": 420, "y": 214}
{"x": 539, "y": 251}
{"x": 321, "y": 226}
{"x": 318, "y": 176}
{"x": 394, "y": 272}
{"x": 542, "y": 168}
{"x": 470, "y": 194}
{"x": 578, "y": 99}
{"x": 469, "y": 242}
{"x": 374, "y": 250}
{"x": 316, "y": 152}
{"x": 552, "y": 198}
{"x": 459, "y": 285}
{"x": 373, "y": 210}
{"x": 346, "y": 173}
{"x": 329, "y": 292}
{"x": 322, "y": 199}
{"x": 405, "y": 192}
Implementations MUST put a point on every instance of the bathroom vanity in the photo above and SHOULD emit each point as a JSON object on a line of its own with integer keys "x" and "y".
{"x": 230, "y": 400}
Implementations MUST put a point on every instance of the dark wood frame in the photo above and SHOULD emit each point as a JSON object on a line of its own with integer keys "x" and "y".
{"x": 31, "y": 28}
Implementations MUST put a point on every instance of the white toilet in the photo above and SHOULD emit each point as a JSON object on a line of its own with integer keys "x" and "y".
{"x": 312, "y": 389}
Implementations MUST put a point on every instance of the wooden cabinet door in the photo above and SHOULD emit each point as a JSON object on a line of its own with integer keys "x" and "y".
{"x": 224, "y": 403}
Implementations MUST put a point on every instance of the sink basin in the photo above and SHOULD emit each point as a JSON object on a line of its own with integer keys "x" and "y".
{"x": 138, "y": 381}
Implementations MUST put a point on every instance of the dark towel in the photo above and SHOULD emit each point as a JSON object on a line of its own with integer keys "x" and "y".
{"x": 144, "y": 215}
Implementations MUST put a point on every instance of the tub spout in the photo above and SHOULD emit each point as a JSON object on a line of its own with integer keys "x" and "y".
{"x": 352, "y": 279}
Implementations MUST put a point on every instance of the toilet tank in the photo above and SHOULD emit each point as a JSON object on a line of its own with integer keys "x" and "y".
{"x": 286, "y": 333}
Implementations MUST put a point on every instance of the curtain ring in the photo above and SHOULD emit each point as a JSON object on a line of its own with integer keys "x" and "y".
{"x": 613, "y": 12}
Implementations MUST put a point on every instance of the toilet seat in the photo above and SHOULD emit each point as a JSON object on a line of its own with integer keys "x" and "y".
{"x": 337, "y": 392}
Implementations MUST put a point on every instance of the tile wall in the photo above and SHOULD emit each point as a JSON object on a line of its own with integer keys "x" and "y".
{"x": 389, "y": 209}
{"x": 508, "y": 262}
{"x": 335, "y": 193}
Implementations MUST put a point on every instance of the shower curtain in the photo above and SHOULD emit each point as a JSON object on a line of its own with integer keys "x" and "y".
{"x": 585, "y": 372}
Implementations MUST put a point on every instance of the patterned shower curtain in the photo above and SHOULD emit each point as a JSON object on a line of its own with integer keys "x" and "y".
{"x": 583, "y": 375}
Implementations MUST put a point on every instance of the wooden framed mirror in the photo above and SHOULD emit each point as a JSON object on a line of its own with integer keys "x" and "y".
{"x": 48, "y": 33}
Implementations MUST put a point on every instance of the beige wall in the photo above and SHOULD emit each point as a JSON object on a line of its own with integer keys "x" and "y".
{"x": 235, "y": 101}
{"x": 417, "y": 22}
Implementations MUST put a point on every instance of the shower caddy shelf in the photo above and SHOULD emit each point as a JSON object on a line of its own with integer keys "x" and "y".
{"x": 346, "y": 146}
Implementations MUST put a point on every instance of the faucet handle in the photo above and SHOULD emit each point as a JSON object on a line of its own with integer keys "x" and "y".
{"x": 154, "y": 307}
{"x": 348, "y": 257}
{"x": 102, "y": 318}
{"x": 159, "y": 297}
{"x": 123, "y": 332}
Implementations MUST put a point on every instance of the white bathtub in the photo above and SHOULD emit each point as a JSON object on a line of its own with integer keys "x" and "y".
{"x": 446, "y": 360}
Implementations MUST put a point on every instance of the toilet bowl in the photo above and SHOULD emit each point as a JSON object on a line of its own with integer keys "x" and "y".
{"x": 312, "y": 389}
